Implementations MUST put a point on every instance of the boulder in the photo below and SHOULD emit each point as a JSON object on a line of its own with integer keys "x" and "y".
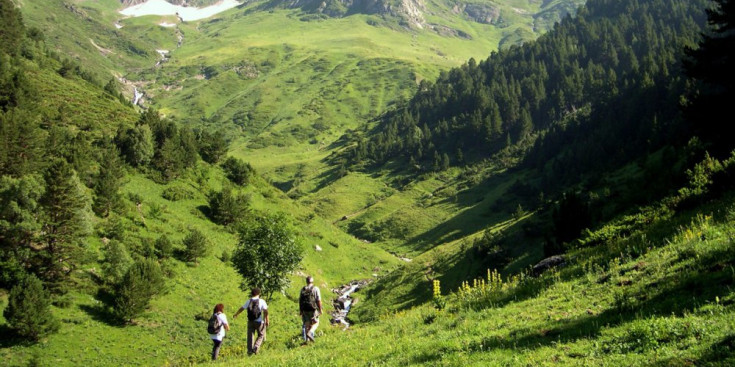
{"x": 548, "y": 263}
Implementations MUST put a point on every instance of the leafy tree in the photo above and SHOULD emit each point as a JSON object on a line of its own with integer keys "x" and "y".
{"x": 108, "y": 182}
{"x": 195, "y": 245}
{"x": 227, "y": 207}
{"x": 28, "y": 312}
{"x": 266, "y": 253}
{"x": 143, "y": 281}
{"x": 66, "y": 209}
{"x": 238, "y": 171}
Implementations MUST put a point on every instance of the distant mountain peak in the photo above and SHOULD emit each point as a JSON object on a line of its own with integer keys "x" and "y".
{"x": 411, "y": 11}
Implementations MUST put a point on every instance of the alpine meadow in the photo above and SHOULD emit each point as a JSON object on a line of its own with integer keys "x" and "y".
{"x": 367, "y": 183}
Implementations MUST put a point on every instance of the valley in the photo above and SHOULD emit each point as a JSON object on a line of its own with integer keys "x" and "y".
{"x": 418, "y": 156}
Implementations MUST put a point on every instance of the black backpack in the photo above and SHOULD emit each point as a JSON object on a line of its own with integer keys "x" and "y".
{"x": 254, "y": 310}
{"x": 214, "y": 325}
{"x": 307, "y": 299}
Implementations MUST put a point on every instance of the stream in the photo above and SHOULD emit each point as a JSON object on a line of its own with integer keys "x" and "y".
{"x": 345, "y": 301}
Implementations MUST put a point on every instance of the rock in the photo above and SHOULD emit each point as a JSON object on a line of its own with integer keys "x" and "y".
{"x": 548, "y": 263}
{"x": 317, "y": 248}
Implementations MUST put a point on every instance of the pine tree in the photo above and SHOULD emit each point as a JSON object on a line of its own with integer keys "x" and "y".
{"x": 136, "y": 144}
{"x": 108, "y": 182}
{"x": 212, "y": 146}
{"x": 21, "y": 142}
{"x": 116, "y": 262}
{"x": 238, "y": 171}
{"x": 28, "y": 312}
{"x": 226, "y": 207}
{"x": 19, "y": 225}
{"x": 164, "y": 247}
{"x": 11, "y": 28}
{"x": 66, "y": 209}
{"x": 143, "y": 281}
{"x": 195, "y": 246}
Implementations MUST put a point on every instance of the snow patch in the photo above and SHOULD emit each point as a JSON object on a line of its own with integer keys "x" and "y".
{"x": 161, "y": 7}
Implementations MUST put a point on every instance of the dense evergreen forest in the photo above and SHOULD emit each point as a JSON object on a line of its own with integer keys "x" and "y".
{"x": 623, "y": 82}
{"x": 599, "y": 90}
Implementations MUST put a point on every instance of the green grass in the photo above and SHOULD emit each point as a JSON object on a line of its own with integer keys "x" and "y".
{"x": 670, "y": 303}
{"x": 169, "y": 330}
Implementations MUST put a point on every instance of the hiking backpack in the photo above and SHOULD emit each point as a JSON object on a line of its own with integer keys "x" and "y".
{"x": 307, "y": 299}
{"x": 254, "y": 310}
{"x": 214, "y": 325}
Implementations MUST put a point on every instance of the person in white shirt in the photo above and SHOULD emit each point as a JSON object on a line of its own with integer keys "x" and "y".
{"x": 219, "y": 312}
{"x": 258, "y": 320}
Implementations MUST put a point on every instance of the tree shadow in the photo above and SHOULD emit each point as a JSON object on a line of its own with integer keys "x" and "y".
{"x": 102, "y": 311}
{"x": 721, "y": 353}
{"x": 8, "y": 338}
{"x": 479, "y": 213}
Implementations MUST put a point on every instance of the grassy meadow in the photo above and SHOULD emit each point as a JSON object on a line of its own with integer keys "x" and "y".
{"x": 171, "y": 329}
{"x": 661, "y": 296}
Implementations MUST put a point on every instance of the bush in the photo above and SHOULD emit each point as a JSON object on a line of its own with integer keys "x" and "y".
{"x": 238, "y": 171}
{"x": 28, "y": 311}
{"x": 164, "y": 247}
{"x": 176, "y": 193}
{"x": 143, "y": 280}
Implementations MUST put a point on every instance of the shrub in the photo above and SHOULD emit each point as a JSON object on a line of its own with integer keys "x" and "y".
{"x": 176, "y": 193}
{"x": 143, "y": 280}
{"x": 28, "y": 311}
{"x": 238, "y": 171}
{"x": 164, "y": 247}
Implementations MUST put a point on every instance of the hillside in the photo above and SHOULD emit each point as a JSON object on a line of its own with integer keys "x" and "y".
{"x": 656, "y": 291}
{"x": 84, "y": 202}
{"x": 381, "y": 150}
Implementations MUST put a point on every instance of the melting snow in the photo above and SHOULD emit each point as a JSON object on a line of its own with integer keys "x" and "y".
{"x": 186, "y": 13}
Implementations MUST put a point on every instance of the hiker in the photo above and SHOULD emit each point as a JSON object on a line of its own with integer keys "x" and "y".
{"x": 217, "y": 327}
{"x": 310, "y": 307}
{"x": 258, "y": 320}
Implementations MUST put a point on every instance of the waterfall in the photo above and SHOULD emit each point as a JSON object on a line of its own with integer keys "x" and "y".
{"x": 137, "y": 96}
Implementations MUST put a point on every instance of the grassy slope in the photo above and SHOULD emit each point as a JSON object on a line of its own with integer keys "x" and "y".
{"x": 169, "y": 330}
{"x": 85, "y": 32}
{"x": 661, "y": 295}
